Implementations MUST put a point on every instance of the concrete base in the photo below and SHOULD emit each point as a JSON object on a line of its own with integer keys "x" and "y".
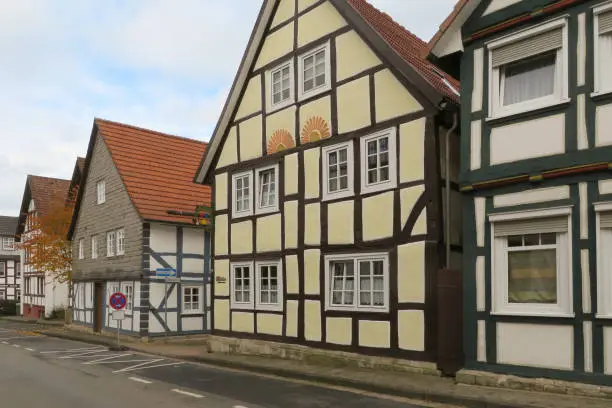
{"x": 308, "y": 355}
{"x": 472, "y": 377}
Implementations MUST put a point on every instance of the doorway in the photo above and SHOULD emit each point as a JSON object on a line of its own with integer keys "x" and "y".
{"x": 98, "y": 306}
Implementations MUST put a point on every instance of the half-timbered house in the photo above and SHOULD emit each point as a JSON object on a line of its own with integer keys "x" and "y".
{"x": 41, "y": 294}
{"x": 133, "y": 232}
{"x": 536, "y": 93}
{"x": 327, "y": 165}
{"x": 10, "y": 260}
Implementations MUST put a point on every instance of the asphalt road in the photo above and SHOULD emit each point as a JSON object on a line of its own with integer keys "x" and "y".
{"x": 38, "y": 371}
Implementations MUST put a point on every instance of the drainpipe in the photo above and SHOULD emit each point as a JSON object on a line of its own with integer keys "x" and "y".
{"x": 447, "y": 191}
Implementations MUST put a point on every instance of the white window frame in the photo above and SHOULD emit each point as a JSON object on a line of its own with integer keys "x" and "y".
{"x": 101, "y": 191}
{"x": 599, "y": 9}
{"x": 269, "y": 306}
{"x": 8, "y": 243}
{"x": 271, "y": 106}
{"x": 355, "y": 257}
{"x": 248, "y": 211}
{"x": 604, "y": 280}
{"x": 3, "y": 268}
{"x": 81, "y": 248}
{"x": 560, "y": 95}
{"x": 322, "y": 88}
{"x": 252, "y": 275}
{"x": 499, "y": 265}
{"x": 200, "y": 308}
{"x": 111, "y": 243}
{"x": 128, "y": 290}
{"x": 350, "y": 166}
{"x": 385, "y": 185}
{"x": 120, "y": 245}
{"x": 271, "y": 208}
{"x": 94, "y": 247}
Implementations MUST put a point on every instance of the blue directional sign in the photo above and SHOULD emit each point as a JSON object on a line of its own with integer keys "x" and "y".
{"x": 165, "y": 272}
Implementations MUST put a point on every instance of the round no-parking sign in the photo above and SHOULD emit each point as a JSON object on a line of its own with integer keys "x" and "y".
{"x": 117, "y": 301}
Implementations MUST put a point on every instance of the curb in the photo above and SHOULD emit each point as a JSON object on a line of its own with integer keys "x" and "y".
{"x": 424, "y": 395}
{"x": 33, "y": 321}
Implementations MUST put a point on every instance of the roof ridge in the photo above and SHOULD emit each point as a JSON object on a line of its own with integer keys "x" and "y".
{"x": 111, "y": 122}
{"x": 48, "y": 178}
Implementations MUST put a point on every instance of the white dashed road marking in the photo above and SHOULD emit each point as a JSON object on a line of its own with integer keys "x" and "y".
{"x": 71, "y": 351}
{"x": 16, "y": 345}
{"x": 190, "y": 394}
{"x": 144, "y": 368}
{"x": 29, "y": 349}
{"x": 5, "y": 342}
{"x": 130, "y": 368}
{"x": 140, "y": 380}
{"x": 239, "y": 406}
{"x": 107, "y": 358}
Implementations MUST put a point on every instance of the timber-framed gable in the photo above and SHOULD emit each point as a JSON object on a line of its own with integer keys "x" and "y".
{"x": 330, "y": 211}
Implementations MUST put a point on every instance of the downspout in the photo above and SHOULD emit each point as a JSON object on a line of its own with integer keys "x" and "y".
{"x": 447, "y": 224}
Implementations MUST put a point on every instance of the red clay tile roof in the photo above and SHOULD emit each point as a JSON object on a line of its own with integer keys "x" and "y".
{"x": 446, "y": 23}
{"x": 408, "y": 46}
{"x": 157, "y": 169}
{"x": 47, "y": 192}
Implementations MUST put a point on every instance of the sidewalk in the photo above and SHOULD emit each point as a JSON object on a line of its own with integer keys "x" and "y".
{"x": 43, "y": 322}
{"x": 415, "y": 386}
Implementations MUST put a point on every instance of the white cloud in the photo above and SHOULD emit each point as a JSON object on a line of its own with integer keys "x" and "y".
{"x": 161, "y": 64}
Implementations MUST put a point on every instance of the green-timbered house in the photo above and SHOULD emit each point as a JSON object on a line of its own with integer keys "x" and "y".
{"x": 536, "y": 102}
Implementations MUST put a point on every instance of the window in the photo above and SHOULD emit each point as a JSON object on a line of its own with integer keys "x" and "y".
{"x": 242, "y": 188}
{"x": 281, "y": 85}
{"x": 18, "y": 295}
{"x": 192, "y": 302}
{"x": 314, "y": 71}
{"x": 2, "y": 269}
{"x": 17, "y": 269}
{"x": 529, "y": 69}
{"x": 242, "y": 286}
{"x": 110, "y": 243}
{"x": 101, "y": 189}
{"x": 41, "y": 285}
{"x": 357, "y": 282}
{"x": 603, "y": 213}
{"x": 603, "y": 48}
{"x": 269, "y": 286}
{"x": 128, "y": 291}
{"x": 338, "y": 171}
{"x": 8, "y": 243}
{"x": 94, "y": 247}
{"x": 120, "y": 241}
{"x": 267, "y": 189}
{"x": 81, "y": 249}
{"x": 531, "y": 262}
{"x": 2, "y": 295}
{"x": 378, "y": 161}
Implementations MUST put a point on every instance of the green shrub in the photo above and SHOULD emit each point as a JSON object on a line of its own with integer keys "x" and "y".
{"x": 9, "y": 307}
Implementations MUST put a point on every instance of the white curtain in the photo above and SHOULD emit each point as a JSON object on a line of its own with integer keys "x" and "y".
{"x": 529, "y": 80}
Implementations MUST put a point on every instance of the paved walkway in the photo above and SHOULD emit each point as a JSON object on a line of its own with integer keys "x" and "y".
{"x": 422, "y": 387}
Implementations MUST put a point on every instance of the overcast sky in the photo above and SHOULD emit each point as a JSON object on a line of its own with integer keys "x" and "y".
{"x": 166, "y": 65}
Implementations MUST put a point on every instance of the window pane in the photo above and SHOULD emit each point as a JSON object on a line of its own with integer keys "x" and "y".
{"x": 372, "y": 176}
{"x": 333, "y": 185}
{"x": 515, "y": 240}
{"x": 531, "y": 239}
{"x": 548, "y": 238}
{"x": 529, "y": 79}
{"x": 308, "y": 84}
{"x": 343, "y": 183}
{"x": 605, "y": 60}
{"x": 532, "y": 276}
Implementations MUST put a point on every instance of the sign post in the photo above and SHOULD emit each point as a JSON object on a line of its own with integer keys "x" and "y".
{"x": 118, "y": 301}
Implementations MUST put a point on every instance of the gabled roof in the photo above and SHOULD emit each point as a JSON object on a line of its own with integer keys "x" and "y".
{"x": 8, "y": 225}
{"x": 458, "y": 10}
{"x": 46, "y": 193}
{"x": 156, "y": 168}
{"x": 401, "y": 49}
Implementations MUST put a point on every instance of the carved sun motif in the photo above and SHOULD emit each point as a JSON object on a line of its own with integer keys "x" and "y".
{"x": 316, "y": 128}
{"x": 281, "y": 139}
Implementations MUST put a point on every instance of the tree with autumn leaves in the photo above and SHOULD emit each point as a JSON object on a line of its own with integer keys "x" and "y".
{"x": 45, "y": 241}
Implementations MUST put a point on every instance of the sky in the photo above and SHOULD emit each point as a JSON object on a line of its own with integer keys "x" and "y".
{"x": 165, "y": 65}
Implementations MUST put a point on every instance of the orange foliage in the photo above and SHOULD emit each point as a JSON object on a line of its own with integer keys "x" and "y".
{"x": 45, "y": 240}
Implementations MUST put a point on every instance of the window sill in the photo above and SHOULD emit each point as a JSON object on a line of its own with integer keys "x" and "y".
{"x": 377, "y": 188}
{"x": 354, "y": 309}
{"x": 242, "y": 214}
{"x": 337, "y": 196}
{"x": 535, "y": 314}
{"x": 280, "y": 105}
{"x": 314, "y": 92}
{"x": 266, "y": 211}
{"x": 269, "y": 308}
{"x": 598, "y": 95}
{"x": 518, "y": 113}
{"x": 243, "y": 306}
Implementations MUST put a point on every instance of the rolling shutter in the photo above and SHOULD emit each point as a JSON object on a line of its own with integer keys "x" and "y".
{"x": 605, "y": 219}
{"x": 528, "y": 47}
{"x": 605, "y": 22}
{"x": 531, "y": 226}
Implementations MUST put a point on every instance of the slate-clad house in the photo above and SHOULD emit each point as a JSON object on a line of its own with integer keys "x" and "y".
{"x": 41, "y": 294}
{"x": 125, "y": 231}
{"x": 10, "y": 260}
{"x": 327, "y": 165}
{"x": 536, "y": 148}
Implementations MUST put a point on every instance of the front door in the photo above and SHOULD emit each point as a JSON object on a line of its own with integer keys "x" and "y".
{"x": 98, "y": 306}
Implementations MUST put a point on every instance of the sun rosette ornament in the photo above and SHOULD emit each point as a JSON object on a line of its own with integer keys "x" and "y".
{"x": 316, "y": 128}
{"x": 280, "y": 140}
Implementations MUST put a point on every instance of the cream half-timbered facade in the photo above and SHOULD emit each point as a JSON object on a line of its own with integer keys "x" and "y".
{"x": 327, "y": 187}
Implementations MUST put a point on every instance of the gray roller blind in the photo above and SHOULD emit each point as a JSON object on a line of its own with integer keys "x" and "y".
{"x": 528, "y": 47}
{"x": 530, "y": 226}
{"x": 605, "y": 220}
{"x": 605, "y": 22}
